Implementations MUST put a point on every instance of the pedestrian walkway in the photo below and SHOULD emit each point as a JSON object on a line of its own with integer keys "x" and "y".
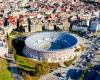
{"x": 15, "y": 73}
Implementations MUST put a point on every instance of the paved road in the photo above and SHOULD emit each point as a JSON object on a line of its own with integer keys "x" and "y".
{"x": 70, "y": 70}
{"x": 67, "y": 71}
{"x": 82, "y": 60}
{"x": 13, "y": 67}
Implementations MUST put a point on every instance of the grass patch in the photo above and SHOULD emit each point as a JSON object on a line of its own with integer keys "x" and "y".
{"x": 30, "y": 69}
{"x": 5, "y": 74}
{"x": 26, "y": 67}
{"x": 25, "y": 63}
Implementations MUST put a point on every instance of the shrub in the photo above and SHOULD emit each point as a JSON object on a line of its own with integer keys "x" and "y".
{"x": 68, "y": 63}
{"x": 54, "y": 65}
{"x": 42, "y": 68}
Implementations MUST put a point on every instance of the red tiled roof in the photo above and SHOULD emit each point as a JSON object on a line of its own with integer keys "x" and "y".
{"x": 11, "y": 20}
{"x": 1, "y": 22}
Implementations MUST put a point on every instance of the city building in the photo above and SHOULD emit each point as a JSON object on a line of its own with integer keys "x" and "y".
{"x": 79, "y": 28}
{"x": 95, "y": 25}
{"x": 91, "y": 0}
{"x": 3, "y": 44}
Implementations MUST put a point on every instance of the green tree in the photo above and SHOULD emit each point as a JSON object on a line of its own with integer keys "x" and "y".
{"x": 42, "y": 68}
{"x": 7, "y": 36}
{"x": 38, "y": 70}
{"x": 26, "y": 76}
{"x": 45, "y": 67}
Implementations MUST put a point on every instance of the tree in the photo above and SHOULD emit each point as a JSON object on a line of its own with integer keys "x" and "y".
{"x": 26, "y": 76}
{"x": 42, "y": 68}
{"x": 45, "y": 67}
{"x": 7, "y": 36}
{"x": 38, "y": 69}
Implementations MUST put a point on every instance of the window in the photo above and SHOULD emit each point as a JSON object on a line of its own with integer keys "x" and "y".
{"x": 59, "y": 58}
{"x": 64, "y": 58}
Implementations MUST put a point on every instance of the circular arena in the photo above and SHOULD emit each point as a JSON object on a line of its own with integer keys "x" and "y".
{"x": 52, "y": 46}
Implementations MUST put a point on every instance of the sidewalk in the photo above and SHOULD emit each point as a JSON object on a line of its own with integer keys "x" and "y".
{"x": 12, "y": 64}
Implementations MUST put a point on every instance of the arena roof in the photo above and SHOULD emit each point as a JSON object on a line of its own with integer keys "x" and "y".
{"x": 51, "y": 41}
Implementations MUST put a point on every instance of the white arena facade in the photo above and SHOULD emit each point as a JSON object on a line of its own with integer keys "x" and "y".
{"x": 50, "y": 46}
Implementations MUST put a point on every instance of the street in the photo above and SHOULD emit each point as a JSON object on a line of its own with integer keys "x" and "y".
{"x": 81, "y": 64}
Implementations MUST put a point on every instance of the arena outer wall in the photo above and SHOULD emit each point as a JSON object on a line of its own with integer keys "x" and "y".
{"x": 52, "y": 55}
